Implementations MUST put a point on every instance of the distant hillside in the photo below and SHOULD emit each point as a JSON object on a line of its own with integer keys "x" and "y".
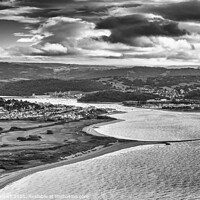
{"x": 117, "y": 96}
{"x": 32, "y": 71}
{"x": 161, "y": 81}
{"x": 42, "y": 86}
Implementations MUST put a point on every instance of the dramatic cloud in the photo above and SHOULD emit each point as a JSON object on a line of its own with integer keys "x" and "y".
{"x": 122, "y": 31}
{"x": 63, "y": 34}
{"x": 125, "y": 29}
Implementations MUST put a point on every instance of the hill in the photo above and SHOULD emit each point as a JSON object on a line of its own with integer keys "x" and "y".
{"x": 32, "y": 71}
{"x": 116, "y": 96}
{"x": 42, "y": 86}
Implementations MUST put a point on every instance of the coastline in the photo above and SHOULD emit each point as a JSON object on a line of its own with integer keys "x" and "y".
{"x": 91, "y": 129}
{"x": 12, "y": 177}
{"x": 166, "y": 110}
{"x": 8, "y": 179}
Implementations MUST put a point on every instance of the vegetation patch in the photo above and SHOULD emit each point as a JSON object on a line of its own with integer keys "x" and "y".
{"x": 117, "y": 96}
{"x": 30, "y": 138}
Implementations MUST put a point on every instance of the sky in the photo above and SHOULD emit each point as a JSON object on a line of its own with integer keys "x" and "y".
{"x": 103, "y": 32}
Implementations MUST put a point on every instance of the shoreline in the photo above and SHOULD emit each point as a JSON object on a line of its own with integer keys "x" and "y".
{"x": 91, "y": 129}
{"x": 8, "y": 179}
{"x": 165, "y": 110}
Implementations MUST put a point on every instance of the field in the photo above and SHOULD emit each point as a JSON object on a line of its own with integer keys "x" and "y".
{"x": 58, "y": 133}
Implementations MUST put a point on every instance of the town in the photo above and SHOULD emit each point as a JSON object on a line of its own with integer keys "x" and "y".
{"x": 24, "y": 110}
{"x": 166, "y": 87}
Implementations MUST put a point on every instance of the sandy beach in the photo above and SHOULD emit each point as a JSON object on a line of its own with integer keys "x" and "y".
{"x": 91, "y": 129}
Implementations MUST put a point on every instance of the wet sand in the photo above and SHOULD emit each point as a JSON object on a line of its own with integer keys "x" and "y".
{"x": 91, "y": 129}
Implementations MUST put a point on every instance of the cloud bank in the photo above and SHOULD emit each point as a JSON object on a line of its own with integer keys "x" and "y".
{"x": 127, "y": 30}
